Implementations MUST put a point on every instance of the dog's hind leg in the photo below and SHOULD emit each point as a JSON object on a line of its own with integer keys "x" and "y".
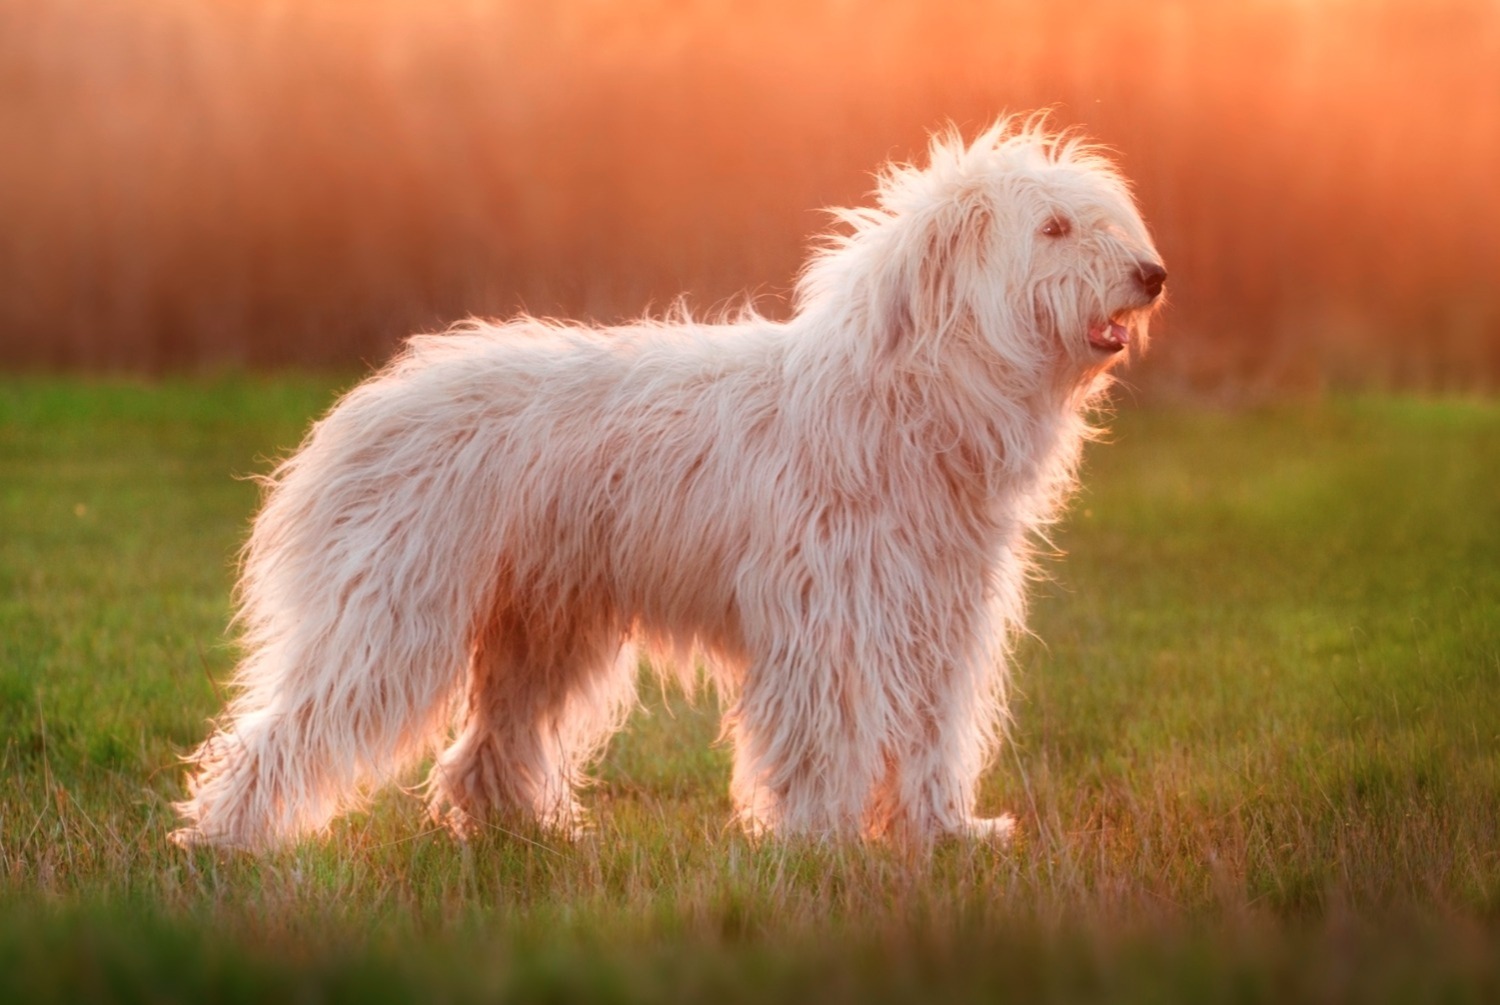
{"x": 317, "y": 719}
{"x": 543, "y": 697}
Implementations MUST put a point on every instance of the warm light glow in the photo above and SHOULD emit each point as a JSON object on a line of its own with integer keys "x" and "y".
{"x": 263, "y": 181}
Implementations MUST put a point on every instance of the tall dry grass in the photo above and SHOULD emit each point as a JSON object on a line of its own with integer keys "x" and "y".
{"x": 187, "y": 183}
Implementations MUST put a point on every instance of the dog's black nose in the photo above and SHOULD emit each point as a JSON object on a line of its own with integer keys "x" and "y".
{"x": 1151, "y": 276}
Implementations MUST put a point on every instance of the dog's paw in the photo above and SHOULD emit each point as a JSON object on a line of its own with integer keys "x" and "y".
{"x": 999, "y": 830}
{"x": 461, "y": 826}
{"x": 188, "y": 838}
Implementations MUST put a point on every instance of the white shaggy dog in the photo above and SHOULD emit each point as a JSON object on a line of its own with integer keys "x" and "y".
{"x": 835, "y": 513}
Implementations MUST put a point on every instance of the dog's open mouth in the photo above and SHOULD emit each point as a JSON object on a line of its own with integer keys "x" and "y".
{"x": 1109, "y": 336}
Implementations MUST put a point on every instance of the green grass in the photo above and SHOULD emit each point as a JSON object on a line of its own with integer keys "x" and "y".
{"x": 1256, "y": 757}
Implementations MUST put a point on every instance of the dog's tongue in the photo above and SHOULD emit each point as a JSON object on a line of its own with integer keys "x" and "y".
{"x": 1109, "y": 335}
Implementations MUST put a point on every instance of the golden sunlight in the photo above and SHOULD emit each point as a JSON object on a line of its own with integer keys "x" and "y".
{"x": 262, "y": 181}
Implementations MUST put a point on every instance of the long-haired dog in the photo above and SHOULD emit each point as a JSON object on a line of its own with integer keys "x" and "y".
{"x": 835, "y": 514}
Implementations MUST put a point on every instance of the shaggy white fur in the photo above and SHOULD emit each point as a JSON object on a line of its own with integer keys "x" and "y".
{"x": 836, "y": 514}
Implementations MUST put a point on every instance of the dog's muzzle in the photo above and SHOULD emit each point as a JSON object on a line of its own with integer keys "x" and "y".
{"x": 1112, "y": 334}
{"x": 1151, "y": 277}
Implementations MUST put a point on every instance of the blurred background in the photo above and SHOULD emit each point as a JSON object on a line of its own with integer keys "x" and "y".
{"x": 219, "y": 184}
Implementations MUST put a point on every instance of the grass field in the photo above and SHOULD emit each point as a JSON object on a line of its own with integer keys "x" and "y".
{"x": 1256, "y": 754}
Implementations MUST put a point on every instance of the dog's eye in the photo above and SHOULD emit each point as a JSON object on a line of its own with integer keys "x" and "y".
{"x": 1056, "y": 227}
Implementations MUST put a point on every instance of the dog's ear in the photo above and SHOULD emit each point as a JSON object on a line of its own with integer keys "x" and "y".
{"x": 920, "y": 289}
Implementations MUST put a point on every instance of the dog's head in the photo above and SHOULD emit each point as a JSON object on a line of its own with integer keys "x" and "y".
{"x": 1082, "y": 250}
{"x": 1021, "y": 245}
